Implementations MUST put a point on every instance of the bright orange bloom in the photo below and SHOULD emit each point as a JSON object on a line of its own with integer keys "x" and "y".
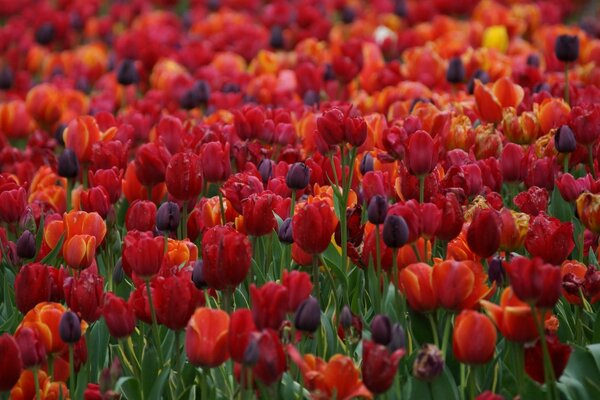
{"x": 552, "y": 113}
{"x": 512, "y": 317}
{"x": 423, "y": 65}
{"x": 48, "y": 188}
{"x": 474, "y": 338}
{"x": 588, "y": 209}
{"x": 180, "y": 252}
{"x": 15, "y": 121}
{"x": 83, "y": 223}
{"x": 460, "y": 284}
{"x": 79, "y": 251}
{"x": 206, "y": 337}
{"x": 339, "y": 375}
{"x": 82, "y": 133}
{"x": 522, "y": 129}
{"x": 134, "y": 190}
{"x": 578, "y": 270}
{"x": 490, "y": 102}
{"x": 458, "y": 249}
{"x": 416, "y": 282}
{"x": 25, "y": 387}
{"x": 44, "y": 104}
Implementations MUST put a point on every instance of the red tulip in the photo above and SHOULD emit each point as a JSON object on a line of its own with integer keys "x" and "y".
{"x": 109, "y": 154}
{"x": 151, "y": 160}
{"x": 110, "y": 180}
{"x": 175, "y": 299}
{"x": 31, "y": 346}
{"x": 299, "y": 288}
{"x": 331, "y": 126}
{"x": 460, "y": 284}
{"x": 12, "y": 204}
{"x": 95, "y": 199}
{"x": 271, "y": 362}
{"x": 422, "y": 153}
{"x": 206, "y": 338}
{"x": 84, "y": 294}
{"x": 184, "y": 176}
{"x": 535, "y": 282}
{"x": 570, "y": 188}
{"x": 483, "y": 234}
{"x": 138, "y": 302}
{"x": 416, "y": 283}
{"x": 143, "y": 254}
{"x": 512, "y": 162}
{"x": 549, "y": 239}
{"x": 534, "y": 360}
{"x": 585, "y": 123}
{"x": 258, "y": 213}
{"x": 474, "y": 338}
{"x": 313, "y": 226}
{"x": 379, "y": 366}
{"x": 141, "y": 216}
{"x": 32, "y": 286}
{"x": 215, "y": 161}
{"x": 118, "y": 315}
{"x": 269, "y": 305}
{"x": 241, "y": 327}
{"x": 452, "y": 216}
{"x": 227, "y": 256}
{"x": 11, "y": 363}
{"x": 533, "y": 201}
{"x": 239, "y": 187}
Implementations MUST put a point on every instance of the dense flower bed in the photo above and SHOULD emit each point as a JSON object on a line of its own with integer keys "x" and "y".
{"x": 299, "y": 199}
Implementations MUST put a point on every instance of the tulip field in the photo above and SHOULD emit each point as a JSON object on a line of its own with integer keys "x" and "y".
{"x": 299, "y": 199}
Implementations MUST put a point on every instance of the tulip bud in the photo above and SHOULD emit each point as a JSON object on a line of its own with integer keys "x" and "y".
{"x": 381, "y": 329}
{"x": 311, "y": 98}
{"x": 566, "y": 48}
{"x": 68, "y": 165}
{"x": 456, "y": 71}
{"x": 198, "y": 275}
{"x": 6, "y": 78}
{"x": 347, "y": 15}
{"x": 366, "y": 164}
{"x": 345, "y": 318}
{"x": 127, "y": 73}
{"x": 265, "y": 169}
{"x": 285, "y": 232}
{"x": 308, "y": 315}
{"x": 277, "y": 41}
{"x": 564, "y": 140}
{"x": 429, "y": 363}
{"x": 26, "y": 245}
{"x": 400, "y": 8}
{"x": 398, "y": 338}
{"x": 377, "y": 209}
{"x": 298, "y": 176}
{"x": 496, "y": 271}
{"x": 533, "y": 60}
{"x": 328, "y": 74}
{"x": 58, "y": 134}
{"x": 395, "y": 231}
{"x": 69, "y": 327}
{"x": 201, "y": 92}
{"x": 167, "y": 217}
{"x": 45, "y": 33}
{"x": 118, "y": 273}
{"x": 252, "y": 352}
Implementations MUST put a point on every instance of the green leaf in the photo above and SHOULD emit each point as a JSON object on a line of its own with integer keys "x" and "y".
{"x": 130, "y": 387}
{"x": 157, "y": 388}
{"x": 443, "y": 387}
{"x": 98, "y": 343}
{"x": 150, "y": 368}
{"x": 559, "y": 208}
{"x": 51, "y": 257}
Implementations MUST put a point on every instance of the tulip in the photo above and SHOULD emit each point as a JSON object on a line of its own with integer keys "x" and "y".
{"x": 69, "y": 328}
{"x": 299, "y": 288}
{"x": 84, "y": 294}
{"x": 12, "y": 204}
{"x": 511, "y": 161}
{"x": 559, "y": 357}
{"x": 313, "y": 227}
{"x": 535, "y": 282}
{"x": 68, "y": 165}
{"x": 239, "y": 187}
{"x": 183, "y": 176}
{"x": 31, "y": 346}
{"x": 80, "y": 135}
{"x": 107, "y": 155}
{"x": 127, "y": 73}
{"x": 143, "y": 254}
{"x": 395, "y": 231}
{"x": 214, "y": 160}
{"x": 490, "y": 103}
{"x": 32, "y": 286}
{"x": 259, "y": 219}
{"x": 456, "y": 71}
{"x": 175, "y": 299}
{"x": 452, "y": 216}
{"x": 198, "y": 275}
{"x": 514, "y": 229}
{"x": 474, "y": 338}
{"x": 533, "y": 201}
{"x": 584, "y": 120}
{"x": 366, "y": 164}
{"x": 549, "y": 239}
{"x": 269, "y": 305}
{"x": 11, "y": 363}
{"x": 97, "y": 200}
{"x": 415, "y": 281}
{"x": 298, "y": 176}
{"x": 570, "y": 188}
{"x": 151, "y": 162}
{"x": 422, "y": 153}
{"x": 566, "y": 48}
{"x": 118, "y": 315}
{"x": 308, "y": 315}
{"x": 483, "y": 234}
{"x": 513, "y": 317}
{"x": 227, "y": 256}
{"x": 588, "y": 210}
{"x": 564, "y": 140}
{"x": 284, "y": 233}
{"x": 398, "y": 338}
{"x": 271, "y": 362}
{"x": 377, "y": 210}
{"x": 79, "y": 251}
{"x": 460, "y": 285}
{"x": 167, "y": 217}
{"x": 429, "y": 363}
{"x": 241, "y": 328}
{"x": 141, "y": 216}
{"x": 381, "y": 329}
{"x": 206, "y": 337}
{"x": 379, "y": 366}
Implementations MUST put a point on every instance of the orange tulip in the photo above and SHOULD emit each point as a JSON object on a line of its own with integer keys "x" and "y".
{"x": 490, "y": 103}
{"x": 588, "y": 209}
{"x": 474, "y": 338}
{"x": 578, "y": 270}
{"x": 206, "y": 337}
{"x": 337, "y": 378}
{"x": 180, "y": 252}
{"x": 43, "y": 103}
{"x": 553, "y": 113}
{"x": 512, "y": 317}
{"x": 514, "y": 229}
{"x": 79, "y": 251}
{"x": 134, "y": 190}
{"x": 83, "y": 223}
{"x": 460, "y": 284}
{"x": 416, "y": 283}
{"x": 80, "y": 135}
{"x": 15, "y": 121}
{"x": 25, "y": 387}
{"x": 48, "y": 188}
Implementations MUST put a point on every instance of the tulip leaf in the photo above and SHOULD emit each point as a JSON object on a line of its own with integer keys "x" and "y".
{"x": 98, "y": 343}
{"x": 39, "y": 235}
{"x": 156, "y": 393}
{"x": 150, "y": 368}
{"x": 130, "y": 387}
{"x": 442, "y": 387}
{"x": 559, "y": 208}
{"x": 51, "y": 257}
{"x": 578, "y": 381}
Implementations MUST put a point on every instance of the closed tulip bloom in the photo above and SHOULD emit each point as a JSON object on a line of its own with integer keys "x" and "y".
{"x": 239, "y": 187}
{"x": 395, "y": 231}
{"x": 12, "y": 204}
{"x": 460, "y": 284}
{"x": 118, "y": 315}
{"x": 284, "y": 233}
{"x": 144, "y": 256}
{"x": 452, "y": 216}
{"x": 584, "y": 120}
{"x": 550, "y": 239}
{"x": 299, "y": 287}
{"x": 269, "y": 305}
{"x": 227, "y": 256}
{"x": 141, "y": 216}
{"x": 379, "y": 366}
{"x": 214, "y": 161}
{"x": 206, "y": 338}
{"x": 32, "y": 286}
{"x": 68, "y": 165}
{"x": 241, "y": 328}
{"x": 381, "y": 329}
{"x": 167, "y": 217}
{"x": 331, "y": 126}
{"x": 534, "y": 358}
{"x": 313, "y": 227}
{"x": 566, "y": 48}
{"x": 84, "y": 294}
{"x": 69, "y": 328}
{"x": 11, "y": 363}
{"x": 535, "y": 282}
{"x": 588, "y": 210}
{"x": 175, "y": 299}
{"x": 483, "y": 234}
{"x": 183, "y": 176}
{"x": 259, "y": 219}
{"x": 512, "y": 162}
{"x": 564, "y": 140}
{"x": 422, "y": 153}
{"x": 377, "y": 210}
{"x": 514, "y": 229}
{"x": 416, "y": 283}
{"x": 80, "y": 251}
{"x": 110, "y": 179}
{"x": 474, "y": 338}
{"x": 151, "y": 161}
{"x": 512, "y": 317}
{"x": 308, "y": 315}
{"x": 298, "y": 176}
{"x": 456, "y": 71}
{"x": 271, "y": 362}
{"x": 127, "y": 73}
{"x": 32, "y": 349}
{"x": 95, "y": 199}
{"x": 570, "y": 188}
{"x": 80, "y": 136}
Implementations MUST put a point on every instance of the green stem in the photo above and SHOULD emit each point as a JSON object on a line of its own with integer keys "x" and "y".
{"x": 227, "y": 294}
{"x": 518, "y": 358}
{"x": 292, "y": 203}
{"x": 472, "y": 382}
{"x": 71, "y": 372}
{"x": 591, "y": 161}
{"x": 548, "y": 368}
{"x": 222, "y": 205}
{"x": 578, "y": 326}
{"x": 446, "y": 334}
{"x": 566, "y": 163}
{"x": 421, "y": 189}
{"x": 154, "y": 323}
{"x": 315, "y": 275}
{"x": 343, "y": 208}
{"x": 36, "y": 382}
{"x": 567, "y": 99}
{"x": 183, "y": 222}
{"x": 377, "y": 250}
{"x": 436, "y": 339}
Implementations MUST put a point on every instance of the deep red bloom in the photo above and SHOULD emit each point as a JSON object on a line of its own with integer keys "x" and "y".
{"x": 512, "y": 162}
{"x": 31, "y": 346}
{"x": 215, "y": 161}
{"x": 249, "y": 122}
{"x": 84, "y": 294}
{"x": 239, "y": 187}
{"x": 141, "y": 216}
{"x": 338, "y": 125}
{"x": 32, "y": 286}
{"x": 483, "y": 234}
{"x": 183, "y": 176}
{"x": 271, "y": 359}
{"x": 379, "y": 366}
{"x": 12, "y": 204}
{"x": 349, "y": 63}
{"x": 474, "y": 338}
{"x": 422, "y": 153}
{"x": 241, "y": 327}
{"x": 585, "y": 123}
{"x": 534, "y": 358}
{"x": 227, "y": 256}
{"x": 110, "y": 154}
{"x": 533, "y": 201}
{"x": 118, "y": 315}
{"x": 175, "y": 299}
{"x": 258, "y": 213}
{"x": 138, "y": 302}
{"x": 541, "y": 172}
{"x": 410, "y": 211}
{"x": 375, "y": 183}
{"x": 313, "y": 226}
{"x": 535, "y": 282}
{"x": 452, "y": 216}
{"x": 110, "y": 180}
{"x": 11, "y": 364}
{"x": 299, "y": 287}
{"x": 549, "y": 239}
{"x": 151, "y": 160}
{"x": 269, "y": 305}
{"x": 143, "y": 254}
{"x": 95, "y": 199}
{"x": 570, "y": 188}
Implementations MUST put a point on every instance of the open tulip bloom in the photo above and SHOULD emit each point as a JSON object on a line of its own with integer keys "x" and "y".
{"x": 299, "y": 199}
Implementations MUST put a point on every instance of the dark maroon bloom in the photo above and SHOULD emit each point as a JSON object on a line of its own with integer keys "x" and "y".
{"x": 269, "y": 305}
{"x": 11, "y": 363}
{"x": 141, "y": 216}
{"x": 84, "y": 294}
{"x": 535, "y": 282}
{"x": 97, "y": 200}
{"x": 259, "y": 219}
{"x": 379, "y": 366}
{"x": 33, "y": 351}
{"x": 227, "y": 256}
{"x": 422, "y": 153}
{"x": 32, "y": 286}
{"x": 299, "y": 288}
{"x": 534, "y": 360}
{"x": 118, "y": 315}
{"x": 12, "y": 204}
{"x": 452, "y": 216}
{"x": 483, "y": 234}
{"x": 512, "y": 162}
{"x": 271, "y": 362}
{"x": 541, "y": 172}
{"x": 151, "y": 162}
{"x": 183, "y": 176}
